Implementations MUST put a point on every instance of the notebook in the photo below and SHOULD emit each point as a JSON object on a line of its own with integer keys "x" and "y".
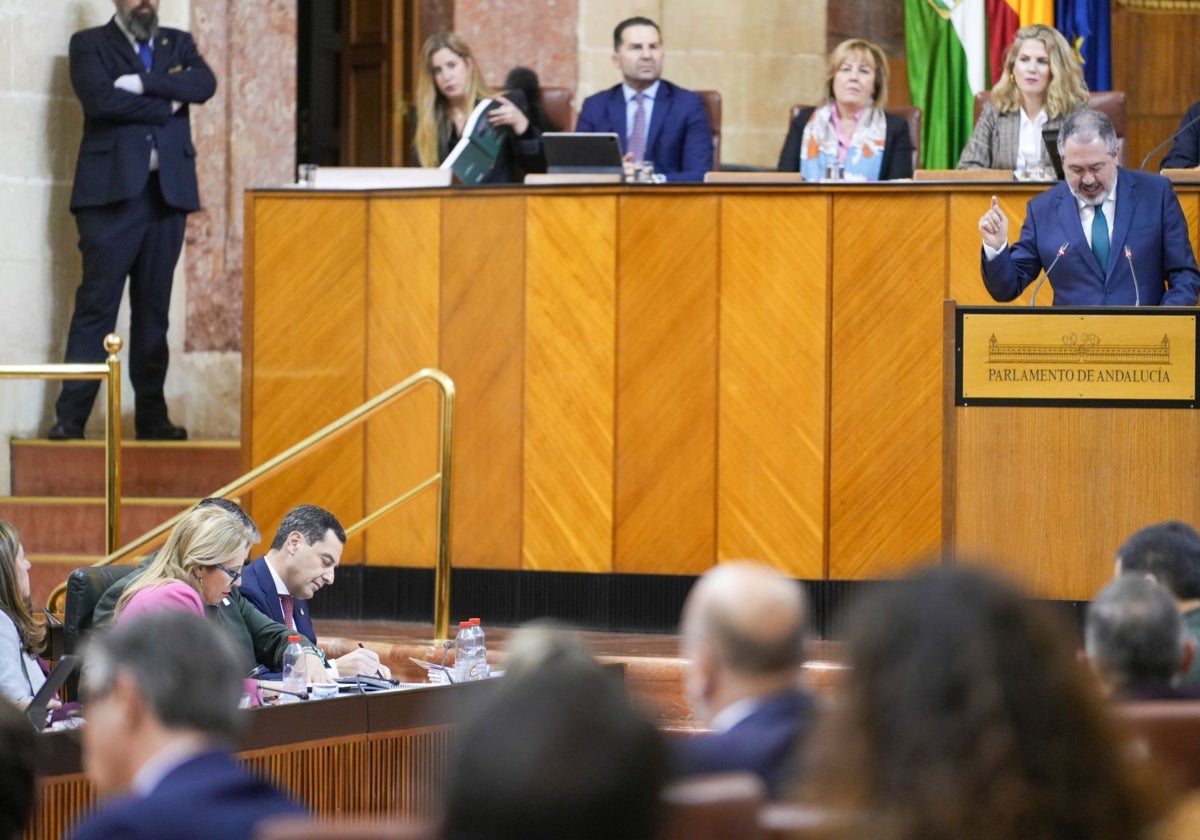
{"x": 586, "y": 152}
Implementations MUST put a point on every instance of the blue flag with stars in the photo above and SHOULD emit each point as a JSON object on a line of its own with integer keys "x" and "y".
{"x": 1087, "y": 26}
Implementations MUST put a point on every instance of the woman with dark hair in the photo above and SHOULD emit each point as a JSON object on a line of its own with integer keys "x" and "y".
{"x": 449, "y": 86}
{"x": 966, "y": 715}
{"x": 22, "y": 637}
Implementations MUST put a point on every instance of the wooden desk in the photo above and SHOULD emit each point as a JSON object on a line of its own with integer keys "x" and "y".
{"x": 651, "y": 379}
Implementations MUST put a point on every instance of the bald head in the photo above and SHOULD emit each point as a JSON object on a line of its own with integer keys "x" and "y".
{"x": 752, "y": 619}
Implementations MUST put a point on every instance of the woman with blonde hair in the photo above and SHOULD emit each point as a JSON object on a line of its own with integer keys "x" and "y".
{"x": 1042, "y": 85}
{"x": 449, "y": 86}
{"x": 22, "y": 637}
{"x": 198, "y": 567}
{"x": 850, "y": 130}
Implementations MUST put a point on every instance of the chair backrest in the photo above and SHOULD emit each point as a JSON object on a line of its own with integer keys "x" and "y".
{"x": 909, "y": 113}
{"x": 556, "y": 102}
{"x": 718, "y": 807}
{"x": 84, "y": 588}
{"x": 1169, "y": 731}
{"x": 1112, "y": 103}
{"x": 712, "y": 104}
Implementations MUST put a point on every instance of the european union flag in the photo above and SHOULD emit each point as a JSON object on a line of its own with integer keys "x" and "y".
{"x": 1087, "y": 26}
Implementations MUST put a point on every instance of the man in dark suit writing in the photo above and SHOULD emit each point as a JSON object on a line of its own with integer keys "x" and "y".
{"x": 1119, "y": 235}
{"x": 655, "y": 120}
{"x": 135, "y": 183}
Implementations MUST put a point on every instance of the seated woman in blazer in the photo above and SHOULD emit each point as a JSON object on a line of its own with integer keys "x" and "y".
{"x": 851, "y": 128}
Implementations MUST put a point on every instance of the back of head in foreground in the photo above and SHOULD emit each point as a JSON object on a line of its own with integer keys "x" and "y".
{"x": 559, "y": 753}
{"x": 966, "y": 715}
{"x": 1167, "y": 551}
{"x": 1134, "y": 637}
{"x": 18, "y": 748}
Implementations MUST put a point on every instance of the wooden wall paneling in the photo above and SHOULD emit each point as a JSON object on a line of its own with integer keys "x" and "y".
{"x": 886, "y": 390}
{"x": 62, "y": 801}
{"x": 404, "y": 287}
{"x": 309, "y": 349}
{"x": 774, "y": 329}
{"x": 1047, "y": 495}
{"x": 1190, "y": 202}
{"x": 482, "y": 349}
{"x": 668, "y": 250}
{"x": 570, "y": 371}
{"x": 966, "y": 205}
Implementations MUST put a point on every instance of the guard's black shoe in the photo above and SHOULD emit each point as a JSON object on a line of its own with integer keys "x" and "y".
{"x": 66, "y": 430}
{"x": 162, "y": 430}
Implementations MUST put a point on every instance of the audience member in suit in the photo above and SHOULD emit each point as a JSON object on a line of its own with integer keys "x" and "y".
{"x": 22, "y": 638}
{"x": 673, "y": 130}
{"x": 1185, "y": 152}
{"x": 1136, "y": 642}
{"x": 965, "y": 714}
{"x": 744, "y": 629}
{"x": 1041, "y": 86}
{"x": 303, "y": 558}
{"x": 18, "y": 756}
{"x": 258, "y": 639}
{"x": 161, "y": 695}
{"x": 1169, "y": 554}
{"x": 558, "y": 750}
{"x": 1119, "y": 235}
{"x": 135, "y": 183}
{"x": 526, "y": 81}
{"x": 449, "y": 86}
{"x": 850, "y": 127}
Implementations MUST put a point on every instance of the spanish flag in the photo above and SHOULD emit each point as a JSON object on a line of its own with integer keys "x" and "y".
{"x": 1004, "y": 18}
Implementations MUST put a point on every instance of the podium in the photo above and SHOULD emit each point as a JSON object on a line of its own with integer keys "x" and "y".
{"x": 1066, "y": 429}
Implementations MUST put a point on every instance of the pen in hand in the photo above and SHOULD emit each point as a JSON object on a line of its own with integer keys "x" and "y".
{"x": 377, "y": 671}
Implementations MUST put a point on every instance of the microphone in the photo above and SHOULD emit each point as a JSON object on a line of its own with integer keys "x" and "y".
{"x": 1159, "y": 147}
{"x": 446, "y": 652}
{"x": 1137, "y": 295}
{"x": 257, "y": 671}
{"x": 1062, "y": 249}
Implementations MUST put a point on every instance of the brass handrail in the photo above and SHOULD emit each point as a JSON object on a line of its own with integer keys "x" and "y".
{"x": 328, "y": 433}
{"x": 110, "y": 372}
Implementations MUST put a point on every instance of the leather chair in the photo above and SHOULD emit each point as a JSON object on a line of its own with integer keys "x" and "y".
{"x": 909, "y": 113}
{"x": 1112, "y": 103}
{"x": 556, "y": 102}
{"x": 718, "y": 807}
{"x": 84, "y": 588}
{"x": 712, "y": 104}
{"x": 1169, "y": 733}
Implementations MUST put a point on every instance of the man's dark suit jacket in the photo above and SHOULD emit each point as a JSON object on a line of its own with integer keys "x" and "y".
{"x": 1149, "y": 222}
{"x": 119, "y": 128}
{"x": 766, "y": 742}
{"x": 1185, "y": 152}
{"x": 210, "y": 795}
{"x": 897, "y": 147}
{"x": 258, "y": 587}
{"x": 678, "y": 139}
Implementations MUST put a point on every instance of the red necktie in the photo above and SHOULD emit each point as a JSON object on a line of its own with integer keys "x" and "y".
{"x": 288, "y": 604}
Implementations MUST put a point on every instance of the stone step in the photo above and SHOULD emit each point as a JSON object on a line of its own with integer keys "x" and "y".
{"x": 191, "y": 469}
{"x": 75, "y": 525}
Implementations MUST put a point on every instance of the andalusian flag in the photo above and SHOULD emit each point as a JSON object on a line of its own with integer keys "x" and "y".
{"x": 947, "y": 65}
{"x": 1086, "y": 24}
{"x": 1004, "y": 18}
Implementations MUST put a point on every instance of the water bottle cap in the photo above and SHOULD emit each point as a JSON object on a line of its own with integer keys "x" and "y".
{"x": 464, "y": 624}
{"x": 293, "y": 639}
{"x": 475, "y": 621}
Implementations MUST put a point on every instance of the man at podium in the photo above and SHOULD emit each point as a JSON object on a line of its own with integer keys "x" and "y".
{"x": 1106, "y": 236}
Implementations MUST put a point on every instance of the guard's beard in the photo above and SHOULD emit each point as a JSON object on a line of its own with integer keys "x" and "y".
{"x": 141, "y": 20}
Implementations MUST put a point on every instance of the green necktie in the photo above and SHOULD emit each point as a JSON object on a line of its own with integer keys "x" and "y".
{"x": 1100, "y": 239}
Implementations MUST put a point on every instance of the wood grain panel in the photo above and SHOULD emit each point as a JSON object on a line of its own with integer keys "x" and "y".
{"x": 482, "y": 349}
{"x": 308, "y": 339}
{"x": 1048, "y": 494}
{"x": 773, "y": 382}
{"x": 667, "y": 383}
{"x": 966, "y": 205}
{"x": 402, "y": 337}
{"x": 570, "y": 364}
{"x": 886, "y": 391}
{"x": 1190, "y": 202}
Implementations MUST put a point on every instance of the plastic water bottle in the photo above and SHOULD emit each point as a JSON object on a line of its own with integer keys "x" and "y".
{"x": 464, "y": 652}
{"x": 295, "y": 676}
{"x": 479, "y": 664}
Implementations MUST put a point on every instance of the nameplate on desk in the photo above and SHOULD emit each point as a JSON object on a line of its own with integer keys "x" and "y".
{"x": 1112, "y": 358}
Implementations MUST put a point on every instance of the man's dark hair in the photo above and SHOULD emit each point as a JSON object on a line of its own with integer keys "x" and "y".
{"x": 312, "y": 522}
{"x": 1134, "y": 635}
{"x": 18, "y": 749}
{"x": 619, "y": 32}
{"x": 236, "y": 509}
{"x": 1171, "y": 552}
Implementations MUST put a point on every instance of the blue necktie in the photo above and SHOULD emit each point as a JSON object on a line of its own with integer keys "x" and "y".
{"x": 1100, "y": 238}
{"x": 145, "y": 54}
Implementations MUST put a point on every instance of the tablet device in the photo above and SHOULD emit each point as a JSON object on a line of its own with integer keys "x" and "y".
{"x": 36, "y": 710}
{"x": 582, "y": 152}
{"x": 1050, "y": 138}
